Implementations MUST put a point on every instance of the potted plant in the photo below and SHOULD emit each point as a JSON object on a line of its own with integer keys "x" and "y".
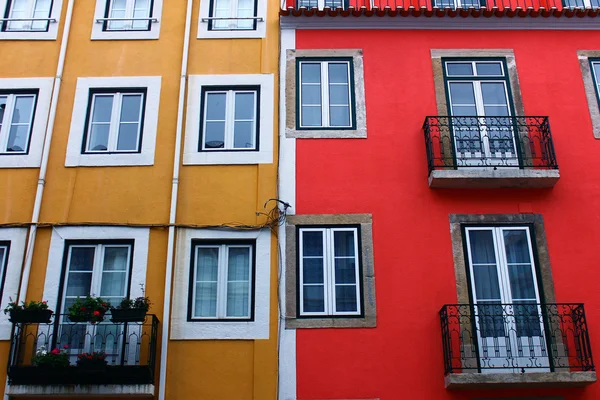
{"x": 29, "y": 313}
{"x": 131, "y": 310}
{"x": 56, "y": 358}
{"x": 95, "y": 360}
{"x": 89, "y": 309}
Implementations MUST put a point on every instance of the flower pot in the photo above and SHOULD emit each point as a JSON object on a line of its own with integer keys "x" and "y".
{"x": 92, "y": 365}
{"x": 79, "y": 318}
{"x": 128, "y": 315}
{"x": 30, "y": 316}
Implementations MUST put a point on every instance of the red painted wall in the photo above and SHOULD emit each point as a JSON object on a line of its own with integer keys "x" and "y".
{"x": 386, "y": 175}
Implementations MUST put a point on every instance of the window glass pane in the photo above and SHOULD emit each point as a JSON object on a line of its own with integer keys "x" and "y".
{"x": 345, "y": 298}
{"x": 314, "y": 298}
{"x": 312, "y": 270}
{"x": 497, "y": 111}
{"x": 207, "y": 261}
{"x": 338, "y": 72}
{"x": 243, "y": 135}
{"x": 462, "y": 93}
{"x": 311, "y": 95}
{"x": 597, "y": 72}
{"x": 130, "y": 108}
{"x": 460, "y": 69}
{"x": 2, "y": 109}
{"x": 82, "y": 258}
{"x": 102, "y": 108}
{"x": 117, "y": 10}
{"x": 467, "y": 111}
{"x": 207, "y": 264}
{"x": 338, "y": 94}
{"x": 115, "y": 258}
{"x": 494, "y": 93}
{"x": 222, "y": 10}
{"x": 312, "y": 243}
{"x": 214, "y": 135}
{"x": 41, "y": 10}
{"x": 311, "y": 116}
{"x": 113, "y": 284}
{"x": 19, "y": 10}
{"x": 527, "y": 319}
{"x": 491, "y": 319}
{"x": 239, "y": 264}
{"x": 206, "y": 299}
{"x": 245, "y": 10}
{"x": 17, "y": 138}
{"x": 141, "y": 10}
{"x": 2, "y": 254}
{"x": 238, "y": 282}
{"x": 98, "y": 140}
{"x": 23, "y": 107}
{"x": 79, "y": 284}
{"x": 345, "y": 270}
{"x": 489, "y": 69}
{"x": 310, "y": 72}
{"x": 215, "y": 106}
{"x": 344, "y": 243}
{"x": 237, "y": 299}
{"x": 521, "y": 282}
{"x": 244, "y": 106}
{"x": 482, "y": 247}
{"x": 486, "y": 282}
{"x": 339, "y": 116}
{"x": 128, "y": 137}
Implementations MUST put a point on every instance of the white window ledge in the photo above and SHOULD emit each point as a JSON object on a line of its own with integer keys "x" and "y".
{"x": 80, "y": 110}
{"x": 50, "y": 34}
{"x": 264, "y": 155}
{"x": 182, "y": 329}
{"x": 152, "y": 34}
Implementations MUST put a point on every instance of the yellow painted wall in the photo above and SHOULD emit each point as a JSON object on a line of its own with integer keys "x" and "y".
{"x": 208, "y": 195}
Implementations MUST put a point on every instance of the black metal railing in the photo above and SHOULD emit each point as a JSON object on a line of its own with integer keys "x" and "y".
{"x": 488, "y": 142}
{"x": 523, "y": 337}
{"x": 130, "y": 351}
{"x": 432, "y": 5}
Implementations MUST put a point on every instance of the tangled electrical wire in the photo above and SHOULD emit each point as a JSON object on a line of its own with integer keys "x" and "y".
{"x": 275, "y": 216}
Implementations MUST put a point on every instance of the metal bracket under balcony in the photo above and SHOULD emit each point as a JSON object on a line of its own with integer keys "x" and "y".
{"x": 129, "y": 349}
{"x": 490, "y": 152}
{"x": 492, "y": 346}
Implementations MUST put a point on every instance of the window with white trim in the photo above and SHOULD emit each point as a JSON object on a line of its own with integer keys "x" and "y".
{"x": 325, "y": 94}
{"x": 128, "y": 15}
{"x": 115, "y": 121}
{"x": 228, "y": 15}
{"x": 4, "y": 249}
{"x": 229, "y": 118}
{"x": 27, "y": 15}
{"x": 222, "y": 281}
{"x": 593, "y": 4}
{"x": 17, "y": 110}
{"x": 454, "y": 4}
{"x": 595, "y": 67}
{"x": 329, "y": 271}
{"x": 98, "y": 269}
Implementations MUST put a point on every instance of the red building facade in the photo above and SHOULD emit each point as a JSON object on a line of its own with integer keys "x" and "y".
{"x": 440, "y": 159}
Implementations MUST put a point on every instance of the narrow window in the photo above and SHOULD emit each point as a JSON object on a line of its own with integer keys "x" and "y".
{"x": 115, "y": 121}
{"x": 221, "y": 280}
{"x": 4, "y": 249}
{"x": 326, "y": 94}
{"x": 128, "y": 15}
{"x": 229, "y": 119}
{"x": 232, "y": 15}
{"x": 27, "y": 15}
{"x": 329, "y": 272}
{"x": 595, "y": 66}
{"x": 16, "y": 121}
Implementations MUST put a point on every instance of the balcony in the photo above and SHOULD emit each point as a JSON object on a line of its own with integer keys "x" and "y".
{"x": 490, "y": 346}
{"x": 440, "y": 8}
{"x": 490, "y": 152}
{"x": 130, "y": 350}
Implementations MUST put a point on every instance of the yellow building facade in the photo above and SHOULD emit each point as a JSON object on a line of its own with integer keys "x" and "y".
{"x": 138, "y": 157}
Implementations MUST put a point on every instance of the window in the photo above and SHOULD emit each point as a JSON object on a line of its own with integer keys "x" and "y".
{"x": 326, "y": 93}
{"x": 115, "y": 121}
{"x": 581, "y": 3}
{"x": 595, "y": 66}
{"x": 459, "y": 3}
{"x": 4, "y": 248}
{"x": 321, "y": 4}
{"x": 230, "y": 119}
{"x": 27, "y": 15}
{"x": 222, "y": 277}
{"x": 232, "y": 15}
{"x": 329, "y": 271}
{"x": 128, "y": 15}
{"x": 17, "y": 110}
{"x": 97, "y": 269}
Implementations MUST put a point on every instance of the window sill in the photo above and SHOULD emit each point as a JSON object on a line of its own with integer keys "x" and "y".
{"x": 518, "y": 380}
{"x": 263, "y": 156}
{"x": 489, "y": 178}
{"x": 110, "y": 160}
{"x": 359, "y": 133}
{"x": 337, "y": 322}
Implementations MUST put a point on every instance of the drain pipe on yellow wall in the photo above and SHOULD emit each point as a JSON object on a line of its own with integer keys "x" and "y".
{"x": 45, "y": 155}
{"x": 173, "y": 213}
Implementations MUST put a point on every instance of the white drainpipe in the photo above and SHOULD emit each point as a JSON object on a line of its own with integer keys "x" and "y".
{"x": 173, "y": 214}
{"x": 45, "y": 155}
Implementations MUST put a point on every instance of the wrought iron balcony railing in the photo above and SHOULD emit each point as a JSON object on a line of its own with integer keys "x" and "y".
{"x": 130, "y": 350}
{"x": 544, "y": 8}
{"x": 488, "y": 142}
{"x": 519, "y": 337}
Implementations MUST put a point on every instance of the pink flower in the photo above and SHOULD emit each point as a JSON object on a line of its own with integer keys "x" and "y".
{"x": 44, "y": 302}
{"x": 55, "y": 351}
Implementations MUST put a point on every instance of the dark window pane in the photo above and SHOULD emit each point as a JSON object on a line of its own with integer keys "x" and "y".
{"x": 489, "y": 69}
{"x": 312, "y": 243}
{"x": 314, "y": 298}
{"x": 458, "y": 68}
{"x": 345, "y": 299}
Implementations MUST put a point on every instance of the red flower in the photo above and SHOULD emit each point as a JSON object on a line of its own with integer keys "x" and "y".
{"x": 89, "y": 357}
{"x": 66, "y": 346}
{"x": 82, "y": 308}
{"x": 104, "y": 305}
{"x": 55, "y": 351}
{"x": 44, "y": 302}
{"x": 96, "y": 313}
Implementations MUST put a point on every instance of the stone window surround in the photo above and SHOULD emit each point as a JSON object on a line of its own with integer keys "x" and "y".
{"x": 359, "y": 96}
{"x": 536, "y": 223}
{"x": 153, "y": 33}
{"x": 590, "y": 91}
{"x": 369, "y": 318}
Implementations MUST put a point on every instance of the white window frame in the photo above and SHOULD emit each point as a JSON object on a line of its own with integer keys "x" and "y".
{"x": 325, "y": 100}
{"x": 50, "y": 34}
{"x": 12, "y": 272}
{"x": 7, "y": 121}
{"x": 329, "y": 272}
{"x": 204, "y": 18}
{"x": 140, "y": 237}
{"x": 258, "y": 327}
{"x": 587, "y": 4}
{"x": 229, "y": 118}
{"x": 31, "y": 159}
{"x": 31, "y": 6}
{"x": 145, "y": 155}
{"x": 115, "y": 121}
{"x": 128, "y": 20}
{"x": 321, "y": 4}
{"x": 264, "y": 154}
{"x": 223, "y": 258}
{"x": 98, "y": 32}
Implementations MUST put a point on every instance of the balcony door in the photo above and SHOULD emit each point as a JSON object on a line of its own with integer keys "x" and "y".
{"x": 480, "y": 105}
{"x": 507, "y": 315}
{"x": 99, "y": 270}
